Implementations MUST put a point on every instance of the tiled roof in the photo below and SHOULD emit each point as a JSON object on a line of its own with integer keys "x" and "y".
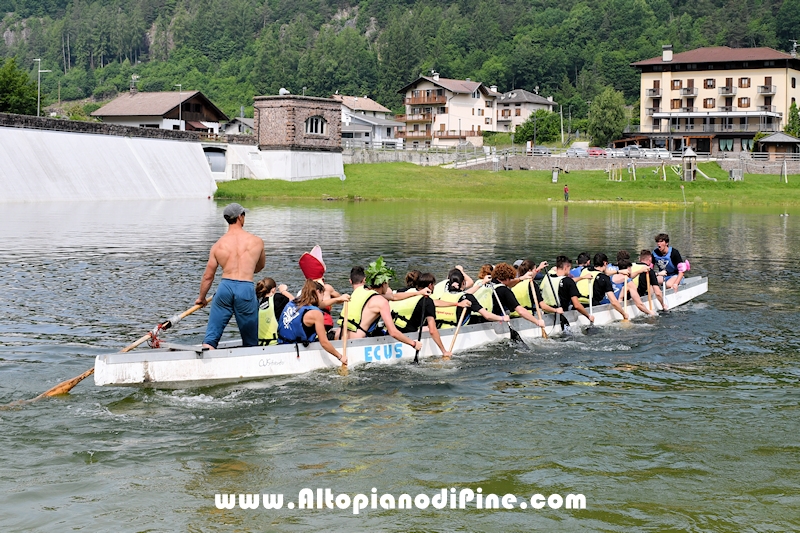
{"x": 360, "y": 103}
{"x": 717, "y": 54}
{"x": 515, "y": 96}
{"x": 780, "y": 137}
{"x": 454, "y": 86}
{"x": 151, "y": 104}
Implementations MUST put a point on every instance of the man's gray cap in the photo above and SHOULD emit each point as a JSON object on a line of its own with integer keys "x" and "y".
{"x": 517, "y": 263}
{"x": 232, "y": 211}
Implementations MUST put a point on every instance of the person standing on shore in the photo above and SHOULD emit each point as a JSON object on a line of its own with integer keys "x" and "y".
{"x": 566, "y": 193}
{"x": 241, "y": 255}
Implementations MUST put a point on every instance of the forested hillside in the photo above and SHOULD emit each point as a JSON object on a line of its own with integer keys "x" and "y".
{"x": 235, "y": 49}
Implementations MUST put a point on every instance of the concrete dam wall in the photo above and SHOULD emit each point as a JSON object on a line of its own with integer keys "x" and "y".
{"x": 38, "y": 165}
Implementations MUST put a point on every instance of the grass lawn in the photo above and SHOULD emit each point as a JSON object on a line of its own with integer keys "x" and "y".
{"x": 405, "y": 181}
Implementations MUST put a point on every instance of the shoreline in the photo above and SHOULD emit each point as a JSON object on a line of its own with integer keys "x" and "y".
{"x": 372, "y": 182}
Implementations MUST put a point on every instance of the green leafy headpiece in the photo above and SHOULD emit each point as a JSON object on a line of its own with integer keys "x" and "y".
{"x": 378, "y": 273}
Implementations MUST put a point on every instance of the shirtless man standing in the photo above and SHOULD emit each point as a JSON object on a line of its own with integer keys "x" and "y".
{"x": 240, "y": 254}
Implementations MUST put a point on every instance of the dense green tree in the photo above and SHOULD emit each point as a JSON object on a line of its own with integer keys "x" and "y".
{"x": 542, "y": 126}
{"x": 607, "y": 117}
{"x": 17, "y": 90}
{"x": 793, "y": 123}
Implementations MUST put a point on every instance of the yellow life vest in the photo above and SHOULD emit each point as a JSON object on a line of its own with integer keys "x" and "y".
{"x": 439, "y": 290}
{"x": 355, "y": 308}
{"x": 522, "y": 291}
{"x": 447, "y": 317}
{"x": 267, "y": 323}
{"x": 484, "y": 296}
{"x": 549, "y": 297}
{"x": 586, "y": 286}
{"x": 403, "y": 309}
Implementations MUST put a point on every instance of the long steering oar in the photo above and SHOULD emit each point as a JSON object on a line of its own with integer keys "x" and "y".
{"x": 419, "y": 336}
{"x": 564, "y": 327}
{"x": 515, "y": 336}
{"x": 532, "y": 288}
{"x": 458, "y": 328}
{"x": 66, "y": 386}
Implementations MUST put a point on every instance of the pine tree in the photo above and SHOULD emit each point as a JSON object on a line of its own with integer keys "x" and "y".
{"x": 793, "y": 124}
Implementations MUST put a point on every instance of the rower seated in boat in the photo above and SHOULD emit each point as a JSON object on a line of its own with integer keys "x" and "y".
{"x": 624, "y": 284}
{"x": 420, "y": 311}
{"x": 369, "y": 304}
{"x": 447, "y": 317}
{"x": 272, "y": 300}
{"x": 646, "y": 259}
{"x": 302, "y": 321}
{"x": 314, "y": 268}
{"x": 527, "y": 292}
{"x": 598, "y": 286}
{"x": 558, "y": 289}
{"x": 505, "y": 302}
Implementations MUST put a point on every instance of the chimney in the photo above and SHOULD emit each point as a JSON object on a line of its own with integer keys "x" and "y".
{"x": 493, "y": 88}
{"x": 435, "y": 75}
{"x": 666, "y": 53}
{"x": 468, "y": 79}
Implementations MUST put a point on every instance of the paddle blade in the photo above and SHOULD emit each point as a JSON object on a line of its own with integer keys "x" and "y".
{"x": 66, "y": 386}
{"x": 515, "y": 336}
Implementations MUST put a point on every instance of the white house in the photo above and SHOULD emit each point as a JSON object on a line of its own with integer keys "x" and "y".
{"x": 446, "y": 112}
{"x": 366, "y": 122}
{"x": 515, "y": 106}
{"x": 170, "y": 110}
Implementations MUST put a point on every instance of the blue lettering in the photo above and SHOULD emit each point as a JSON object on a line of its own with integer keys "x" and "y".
{"x": 367, "y": 356}
{"x": 398, "y": 350}
{"x": 387, "y": 351}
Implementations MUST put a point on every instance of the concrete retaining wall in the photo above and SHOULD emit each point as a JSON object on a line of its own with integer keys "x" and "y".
{"x": 39, "y": 165}
{"x": 754, "y": 166}
{"x": 352, "y": 156}
{"x": 565, "y": 163}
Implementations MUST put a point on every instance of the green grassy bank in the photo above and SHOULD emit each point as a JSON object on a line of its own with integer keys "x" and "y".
{"x": 405, "y": 181}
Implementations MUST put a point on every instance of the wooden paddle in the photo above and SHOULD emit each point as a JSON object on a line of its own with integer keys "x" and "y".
{"x": 536, "y": 303}
{"x": 343, "y": 368}
{"x": 458, "y": 328}
{"x": 66, "y": 386}
{"x": 564, "y": 327}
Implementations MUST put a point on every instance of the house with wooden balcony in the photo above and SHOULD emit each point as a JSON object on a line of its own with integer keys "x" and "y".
{"x": 515, "y": 106}
{"x": 366, "y": 123}
{"x": 714, "y": 99}
{"x": 447, "y": 112}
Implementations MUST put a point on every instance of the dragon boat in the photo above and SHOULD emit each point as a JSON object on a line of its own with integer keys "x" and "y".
{"x": 175, "y": 366}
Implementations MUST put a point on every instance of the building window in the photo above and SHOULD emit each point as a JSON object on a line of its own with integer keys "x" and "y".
{"x": 518, "y": 112}
{"x": 480, "y": 112}
{"x": 744, "y": 83}
{"x": 442, "y": 110}
{"x": 726, "y": 145}
{"x": 488, "y": 120}
{"x": 675, "y": 103}
{"x": 488, "y": 103}
{"x": 316, "y": 125}
{"x": 709, "y": 103}
{"x": 709, "y": 83}
{"x": 388, "y": 132}
{"x": 744, "y": 102}
{"x": 476, "y": 94}
{"x": 794, "y": 83}
{"x": 677, "y": 84}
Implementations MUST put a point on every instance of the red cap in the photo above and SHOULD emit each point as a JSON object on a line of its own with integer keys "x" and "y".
{"x": 312, "y": 265}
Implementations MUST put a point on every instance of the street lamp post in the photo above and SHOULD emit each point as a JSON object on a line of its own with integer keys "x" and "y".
{"x": 180, "y": 105}
{"x": 39, "y": 86}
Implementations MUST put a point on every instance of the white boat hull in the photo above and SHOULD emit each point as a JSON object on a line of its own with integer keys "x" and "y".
{"x": 187, "y": 367}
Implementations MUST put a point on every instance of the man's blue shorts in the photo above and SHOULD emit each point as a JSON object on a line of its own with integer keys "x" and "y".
{"x": 238, "y": 298}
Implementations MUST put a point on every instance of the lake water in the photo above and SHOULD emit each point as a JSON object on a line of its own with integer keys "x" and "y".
{"x": 687, "y": 422}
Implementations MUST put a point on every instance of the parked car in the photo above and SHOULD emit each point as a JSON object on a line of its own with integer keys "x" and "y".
{"x": 577, "y": 152}
{"x": 662, "y": 153}
{"x": 647, "y": 153}
{"x": 596, "y": 152}
{"x": 615, "y": 152}
{"x": 540, "y": 150}
{"x": 632, "y": 150}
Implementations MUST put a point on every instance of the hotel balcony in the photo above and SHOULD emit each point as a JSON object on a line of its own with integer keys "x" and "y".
{"x": 653, "y": 93}
{"x": 767, "y": 108}
{"x": 650, "y": 110}
{"x": 418, "y": 117}
{"x": 767, "y": 89}
{"x": 689, "y": 91}
{"x": 705, "y": 128}
{"x": 503, "y": 118}
{"x": 727, "y": 108}
{"x": 727, "y": 91}
{"x": 456, "y": 134}
{"x": 412, "y": 135}
{"x": 688, "y": 110}
{"x": 421, "y": 100}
